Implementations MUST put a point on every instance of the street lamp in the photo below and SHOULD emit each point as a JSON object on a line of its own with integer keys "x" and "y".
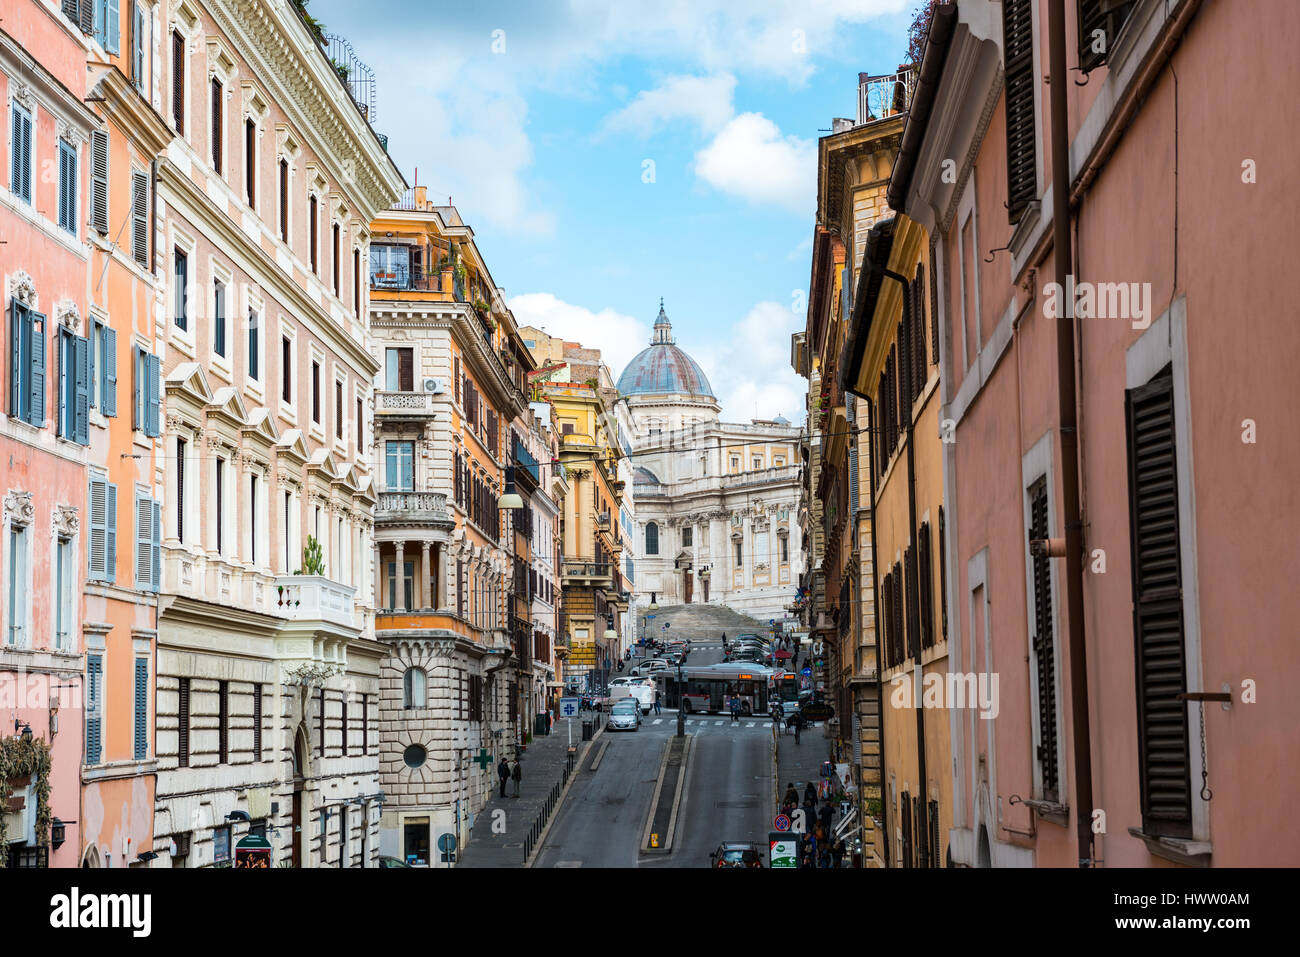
{"x": 681, "y": 702}
{"x": 511, "y": 499}
{"x": 654, "y": 605}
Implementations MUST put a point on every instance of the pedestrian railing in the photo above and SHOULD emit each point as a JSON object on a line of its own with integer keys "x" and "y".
{"x": 552, "y": 800}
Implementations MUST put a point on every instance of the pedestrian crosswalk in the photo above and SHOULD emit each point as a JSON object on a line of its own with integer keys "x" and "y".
{"x": 712, "y": 722}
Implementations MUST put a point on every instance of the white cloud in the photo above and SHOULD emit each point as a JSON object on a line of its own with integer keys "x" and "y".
{"x": 703, "y": 100}
{"x": 750, "y": 158}
{"x": 750, "y": 371}
{"x": 618, "y": 337}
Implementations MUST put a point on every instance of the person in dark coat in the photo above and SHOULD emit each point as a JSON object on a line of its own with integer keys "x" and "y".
{"x": 791, "y": 795}
{"x": 810, "y": 794}
{"x": 503, "y": 772}
{"x": 795, "y": 721}
{"x": 825, "y": 815}
{"x": 516, "y": 774}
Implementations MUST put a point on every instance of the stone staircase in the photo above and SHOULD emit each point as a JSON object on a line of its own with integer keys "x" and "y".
{"x": 704, "y": 621}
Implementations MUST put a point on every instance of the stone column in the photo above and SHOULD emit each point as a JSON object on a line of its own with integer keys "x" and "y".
{"x": 425, "y": 574}
{"x": 399, "y": 586}
{"x": 440, "y": 574}
{"x": 379, "y": 574}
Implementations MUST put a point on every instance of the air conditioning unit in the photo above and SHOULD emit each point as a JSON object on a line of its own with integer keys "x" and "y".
{"x": 433, "y": 386}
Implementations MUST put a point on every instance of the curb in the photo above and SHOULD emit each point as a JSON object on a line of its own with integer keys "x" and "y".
{"x": 675, "y": 813}
{"x": 583, "y": 751}
{"x": 776, "y": 773}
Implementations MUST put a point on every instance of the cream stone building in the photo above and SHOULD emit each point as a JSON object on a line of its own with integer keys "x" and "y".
{"x": 715, "y": 514}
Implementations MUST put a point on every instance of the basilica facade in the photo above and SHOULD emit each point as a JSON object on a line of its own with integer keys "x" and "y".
{"x": 716, "y": 501}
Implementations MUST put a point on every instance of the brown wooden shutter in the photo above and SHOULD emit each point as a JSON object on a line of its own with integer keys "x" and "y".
{"x": 943, "y": 575}
{"x": 1107, "y": 16}
{"x": 905, "y": 799}
{"x": 178, "y": 82}
{"x": 918, "y": 333}
{"x": 1044, "y": 646}
{"x": 934, "y": 307}
{"x": 913, "y": 616}
{"x": 284, "y": 200}
{"x": 183, "y": 723}
{"x": 216, "y": 124}
{"x": 1018, "y": 56}
{"x": 257, "y": 722}
{"x": 223, "y": 722}
{"x": 406, "y": 370}
{"x": 925, "y": 569}
{"x": 1164, "y": 766}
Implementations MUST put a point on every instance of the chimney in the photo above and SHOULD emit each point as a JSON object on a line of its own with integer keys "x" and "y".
{"x": 421, "y": 196}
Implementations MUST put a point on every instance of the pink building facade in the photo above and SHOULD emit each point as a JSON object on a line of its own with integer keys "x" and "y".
{"x": 44, "y": 427}
{"x": 1180, "y": 348}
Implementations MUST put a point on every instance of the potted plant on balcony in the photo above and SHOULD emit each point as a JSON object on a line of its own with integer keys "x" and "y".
{"x": 313, "y": 558}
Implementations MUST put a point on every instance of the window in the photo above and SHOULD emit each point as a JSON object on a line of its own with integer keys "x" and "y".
{"x": 343, "y": 723}
{"x": 399, "y": 370}
{"x": 338, "y": 409}
{"x": 925, "y": 569}
{"x": 74, "y": 388}
{"x": 103, "y": 368}
{"x": 756, "y": 463}
{"x": 943, "y": 578}
{"x": 1042, "y": 639}
{"x": 356, "y": 282}
{"x": 218, "y": 101}
{"x": 138, "y": 44}
{"x": 284, "y": 200}
{"x": 183, "y": 723}
{"x": 108, "y": 25}
{"x": 286, "y": 369}
{"x": 147, "y": 394}
{"x": 63, "y": 607}
{"x": 311, "y": 234}
{"x": 1100, "y": 22}
{"x": 67, "y": 187}
{"x": 101, "y": 563}
{"x": 361, "y": 429}
{"x": 740, "y": 553}
{"x": 94, "y": 708}
{"x": 334, "y": 266}
{"x": 735, "y": 463}
{"x": 148, "y": 543}
{"x": 257, "y": 722}
{"x": 220, "y": 503}
{"x": 413, "y": 689}
{"x": 315, "y": 391}
{"x": 140, "y": 217}
{"x": 1160, "y": 640}
{"x": 223, "y": 722}
{"x": 180, "y": 491}
{"x": 651, "y": 538}
{"x": 407, "y": 584}
{"x": 20, "y": 152}
{"x": 180, "y": 287}
{"x": 178, "y": 82}
{"x": 219, "y": 318}
{"x": 779, "y": 462}
{"x": 390, "y": 267}
{"x": 220, "y": 844}
{"x": 252, "y": 519}
{"x": 19, "y": 556}
{"x": 250, "y": 162}
{"x": 1018, "y": 57}
{"x": 365, "y": 724}
{"x": 785, "y": 548}
{"x": 687, "y": 537}
{"x": 254, "y": 345}
{"x": 399, "y": 458}
{"x": 26, "y": 364}
{"x": 141, "y": 708}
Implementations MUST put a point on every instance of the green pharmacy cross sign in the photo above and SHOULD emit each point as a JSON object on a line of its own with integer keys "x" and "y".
{"x": 483, "y": 759}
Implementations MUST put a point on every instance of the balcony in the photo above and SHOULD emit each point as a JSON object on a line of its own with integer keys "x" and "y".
{"x": 404, "y": 405}
{"x": 411, "y": 508}
{"x": 885, "y": 95}
{"x": 320, "y": 619}
{"x": 602, "y": 521}
{"x": 587, "y": 573}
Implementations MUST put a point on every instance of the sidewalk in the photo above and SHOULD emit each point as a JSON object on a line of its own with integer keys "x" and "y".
{"x": 801, "y": 763}
{"x": 542, "y": 766}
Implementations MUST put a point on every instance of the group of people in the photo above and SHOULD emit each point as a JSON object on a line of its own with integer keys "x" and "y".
{"x": 794, "y": 722}
{"x": 510, "y": 771}
{"x": 819, "y": 848}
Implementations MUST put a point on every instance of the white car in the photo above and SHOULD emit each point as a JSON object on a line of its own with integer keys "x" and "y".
{"x": 649, "y": 667}
{"x": 642, "y": 689}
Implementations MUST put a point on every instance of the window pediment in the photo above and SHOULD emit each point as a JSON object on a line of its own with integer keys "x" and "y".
{"x": 189, "y": 384}
{"x": 221, "y": 61}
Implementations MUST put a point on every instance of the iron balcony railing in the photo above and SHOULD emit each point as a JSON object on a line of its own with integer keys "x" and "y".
{"x": 885, "y": 95}
{"x": 404, "y": 403}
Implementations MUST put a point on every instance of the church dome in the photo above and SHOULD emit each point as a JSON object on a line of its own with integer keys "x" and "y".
{"x": 664, "y": 369}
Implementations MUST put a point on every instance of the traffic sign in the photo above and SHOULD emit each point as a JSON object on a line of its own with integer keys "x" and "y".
{"x": 806, "y": 672}
{"x": 447, "y": 842}
{"x": 784, "y": 851}
{"x": 568, "y": 707}
{"x": 782, "y": 823}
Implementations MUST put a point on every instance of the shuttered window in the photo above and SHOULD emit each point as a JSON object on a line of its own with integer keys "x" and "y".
{"x": 343, "y": 724}
{"x": 140, "y": 217}
{"x": 219, "y": 318}
{"x": 183, "y": 723}
{"x": 147, "y": 402}
{"x": 365, "y": 724}
{"x": 94, "y": 708}
{"x": 1100, "y": 22}
{"x": 99, "y": 181}
{"x": 925, "y": 571}
{"x": 178, "y": 82}
{"x": 257, "y": 722}
{"x": 141, "y": 708}
{"x": 67, "y": 187}
{"x": 254, "y": 345}
{"x": 86, "y": 17}
{"x": 1018, "y": 57}
{"x": 223, "y": 722}
{"x": 934, "y": 307}
{"x": 148, "y": 543}
{"x": 1164, "y": 767}
{"x": 70, "y": 10}
{"x": 284, "y": 200}
{"x": 101, "y": 562}
{"x": 108, "y": 25}
{"x": 905, "y": 802}
{"x": 913, "y": 618}
{"x": 250, "y": 162}
{"x": 74, "y": 388}
{"x": 943, "y": 576}
{"x": 315, "y": 391}
{"x": 20, "y": 153}
{"x": 180, "y": 288}
{"x": 916, "y": 292}
{"x": 138, "y": 44}
{"x": 103, "y": 361}
{"x": 320, "y": 722}
{"x": 311, "y": 233}
{"x": 905, "y": 364}
{"x": 897, "y": 636}
{"x": 218, "y": 125}
{"x": 1047, "y": 748}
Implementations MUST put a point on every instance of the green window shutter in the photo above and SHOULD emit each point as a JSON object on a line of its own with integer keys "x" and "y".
{"x": 36, "y": 407}
{"x": 153, "y": 386}
{"x": 99, "y": 181}
{"x": 141, "y": 708}
{"x": 108, "y": 371}
{"x": 110, "y": 533}
{"x": 94, "y": 692}
{"x": 17, "y": 325}
{"x": 81, "y": 390}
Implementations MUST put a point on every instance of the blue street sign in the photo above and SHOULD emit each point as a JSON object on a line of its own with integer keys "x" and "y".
{"x": 568, "y": 707}
{"x": 447, "y": 842}
{"x": 806, "y": 672}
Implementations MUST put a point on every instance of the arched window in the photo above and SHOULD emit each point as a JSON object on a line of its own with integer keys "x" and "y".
{"x": 413, "y": 689}
{"x": 651, "y": 539}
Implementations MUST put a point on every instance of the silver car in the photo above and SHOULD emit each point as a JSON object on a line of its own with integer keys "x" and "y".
{"x": 625, "y": 715}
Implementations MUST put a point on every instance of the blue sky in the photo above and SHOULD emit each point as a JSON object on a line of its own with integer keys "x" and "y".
{"x": 542, "y": 134}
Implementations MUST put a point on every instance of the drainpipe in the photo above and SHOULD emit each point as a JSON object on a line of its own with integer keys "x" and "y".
{"x": 1065, "y": 378}
{"x": 923, "y": 831}
{"x": 880, "y": 686}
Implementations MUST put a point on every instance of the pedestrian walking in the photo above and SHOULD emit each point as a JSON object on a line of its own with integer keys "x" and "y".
{"x": 791, "y": 795}
{"x": 796, "y": 721}
{"x": 810, "y": 794}
{"x": 735, "y": 707}
{"x": 516, "y": 774}
{"x": 777, "y": 714}
{"x": 825, "y": 815}
{"x": 658, "y": 699}
{"x": 503, "y": 772}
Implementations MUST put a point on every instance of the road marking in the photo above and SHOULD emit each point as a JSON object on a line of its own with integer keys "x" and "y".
{"x": 750, "y": 725}
{"x": 717, "y": 722}
{"x": 657, "y": 721}
{"x": 568, "y": 863}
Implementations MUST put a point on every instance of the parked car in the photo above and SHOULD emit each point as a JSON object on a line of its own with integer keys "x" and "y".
{"x": 732, "y": 854}
{"x": 392, "y": 862}
{"x": 649, "y": 667}
{"x": 624, "y": 715}
{"x": 640, "y": 689}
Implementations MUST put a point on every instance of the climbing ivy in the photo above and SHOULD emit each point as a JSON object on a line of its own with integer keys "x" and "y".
{"x": 21, "y": 757}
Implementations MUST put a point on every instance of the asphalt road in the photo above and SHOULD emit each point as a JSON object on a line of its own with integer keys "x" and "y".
{"x": 727, "y": 795}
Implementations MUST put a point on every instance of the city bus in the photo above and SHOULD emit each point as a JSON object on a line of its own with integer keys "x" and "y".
{"x": 707, "y": 688}
{"x": 785, "y": 688}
